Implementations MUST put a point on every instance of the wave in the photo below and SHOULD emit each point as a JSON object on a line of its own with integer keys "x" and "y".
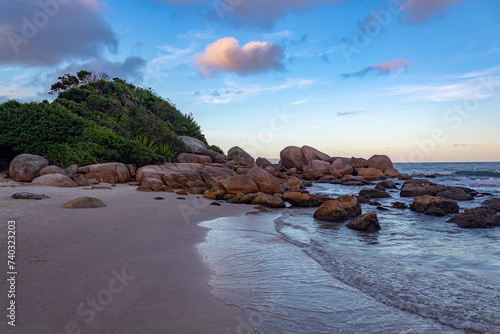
{"x": 482, "y": 173}
{"x": 491, "y": 182}
{"x": 429, "y": 173}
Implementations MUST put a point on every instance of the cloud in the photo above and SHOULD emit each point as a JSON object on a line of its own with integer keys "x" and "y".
{"x": 43, "y": 33}
{"x": 348, "y": 113}
{"x": 479, "y": 85}
{"x": 234, "y": 91}
{"x": 226, "y": 55}
{"x": 420, "y": 11}
{"x": 258, "y": 12}
{"x": 389, "y": 67}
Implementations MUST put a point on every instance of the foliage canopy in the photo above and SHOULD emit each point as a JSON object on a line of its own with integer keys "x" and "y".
{"x": 96, "y": 120}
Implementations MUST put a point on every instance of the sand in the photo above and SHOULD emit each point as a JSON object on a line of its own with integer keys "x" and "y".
{"x": 131, "y": 267}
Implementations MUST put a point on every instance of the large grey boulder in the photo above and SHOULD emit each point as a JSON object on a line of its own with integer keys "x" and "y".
{"x": 54, "y": 180}
{"x": 241, "y": 157}
{"x": 194, "y": 145}
{"x": 26, "y": 167}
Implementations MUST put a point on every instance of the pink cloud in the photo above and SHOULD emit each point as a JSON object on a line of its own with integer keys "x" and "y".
{"x": 418, "y": 11}
{"x": 260, "y": 12}
{"x": 226, "y": 54}
{"x": 386, "y": 68}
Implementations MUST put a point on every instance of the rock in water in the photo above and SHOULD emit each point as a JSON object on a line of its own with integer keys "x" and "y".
{"x": 351, "y": 205}
{"x": 481, "y": 217}
{"x": 493, "y": 203}
{"x": 85, "y": 203}
{"x": 340, "y": 168}
{"x": 382, "y": 162}
{"x": 427, "y": 204}
{"x": 331, "y": 211}
{"x": 301, "y": 200}
{"x": 367, "y": 222}
{"x": 54, "y": 180}
{"x": 26, "y": 167}
{"x": 373, "y": 193}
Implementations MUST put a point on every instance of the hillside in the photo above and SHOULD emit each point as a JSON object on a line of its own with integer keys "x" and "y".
{"x": 96, "y": 122}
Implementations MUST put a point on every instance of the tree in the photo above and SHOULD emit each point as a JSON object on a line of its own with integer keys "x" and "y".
{"x": 68, "y": 81}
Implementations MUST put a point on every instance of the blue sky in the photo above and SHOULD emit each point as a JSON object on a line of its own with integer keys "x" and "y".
{"x": 418, "y": 80}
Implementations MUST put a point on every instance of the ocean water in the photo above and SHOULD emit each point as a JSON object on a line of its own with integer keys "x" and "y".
{"x": 418, "y": 274}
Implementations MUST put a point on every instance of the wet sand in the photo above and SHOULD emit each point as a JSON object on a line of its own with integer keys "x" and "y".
{"x": 131, "y": 267}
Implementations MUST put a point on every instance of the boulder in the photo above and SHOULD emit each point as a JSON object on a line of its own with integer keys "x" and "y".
{"x": 212, "y": 175}
{"x": 239, "y": 183}
{"x": 295, "y": 183}
{"x": 194, "y": 145}
{"x": 53, "y": 170}
{"x": 81, "y": 180}
{"x": 414, "y": 190}
{"x": 350, "y": 180}
{"x": 351, "y": 205}
{"x": 268, "y": 200}
{"x": 266, "y": 182}
{"x": 382, "y": 162}
{"x": 481, "y": 217}
{"x": 291, "y": 157}
{"x": 241, "y": 157}
{"x": 111, "y": 172}
{"x": 146, "y": 189}
{"x": 248, "y": 199}
{"x": 359, "y": 163}
{"x": 301, "y": 200}
{"x": 183, "y": 180}
{"x": 152, "y": 181}
{"x": 331, "y": 211}
{"x": 493, "y": 203}
{"x": 216, "y": 157}
{"x": 373, "y": 193}
{"x": 312, "y": 174}
{"x": 426, "y": 202}
{"x": 71, "y": 170}
{"x": 26, "y": 167}
{"x": 310, "y": 153}
{"x": 263, "y": 162}
{"x": 367, "y": 222}
{"x": 54, "y": 180}
{"x": 319, "y": 165}
{"x": 370, "y": 174}
{"x": 339, "y": 168}
{"x": 85, "y": 203}
{"x": 399, "y": 205}
{"x": 193, "y": 158}
{"x": 455, "y": 193}
{"x": 392, "y": 173}
{"x": 29, "y": 196}
{"x": 132, "y": 169}
{"x": 387, "y": 184}
{"x": 216, "y": 192}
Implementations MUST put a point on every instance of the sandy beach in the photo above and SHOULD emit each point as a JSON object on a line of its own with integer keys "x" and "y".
{"x": 131, "y": 267}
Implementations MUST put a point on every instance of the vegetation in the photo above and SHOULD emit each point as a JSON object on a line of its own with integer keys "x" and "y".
{"x": 95, "y": 120}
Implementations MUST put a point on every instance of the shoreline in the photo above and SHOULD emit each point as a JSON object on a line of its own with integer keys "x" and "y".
{"x": 140, "y": 271}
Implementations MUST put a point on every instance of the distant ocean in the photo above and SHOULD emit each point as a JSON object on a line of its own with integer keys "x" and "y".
{"x": 419, "y": 274}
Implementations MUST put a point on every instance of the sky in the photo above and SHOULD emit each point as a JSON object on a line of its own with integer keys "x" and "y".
{"x": 418, "y": 80}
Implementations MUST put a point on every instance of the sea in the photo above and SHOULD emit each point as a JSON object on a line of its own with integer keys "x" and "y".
{"x": 419, "y": 274}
